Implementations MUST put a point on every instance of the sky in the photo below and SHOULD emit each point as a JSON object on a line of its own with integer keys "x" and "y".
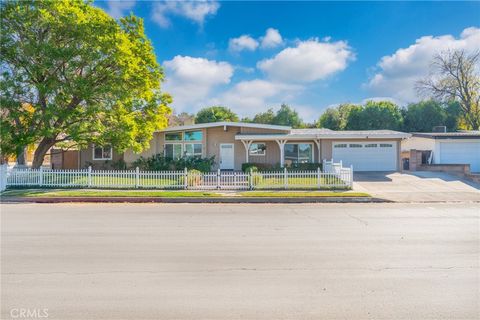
{"x": 251, "y": 56}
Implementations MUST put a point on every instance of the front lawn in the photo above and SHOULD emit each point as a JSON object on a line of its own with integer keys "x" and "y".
{"x": 173, "y": 193}
{"x": 300, "y": 194}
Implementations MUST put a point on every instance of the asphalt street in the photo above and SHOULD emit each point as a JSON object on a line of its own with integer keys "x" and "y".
{"x": 194, "y": 261}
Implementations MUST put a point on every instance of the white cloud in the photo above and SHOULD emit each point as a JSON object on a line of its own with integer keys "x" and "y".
{"x": 118, "y": 9}
{"x": 397, "y": 73}
{"x": 252, "y": 96}
{"x": 244, "y": 42}
{"x": 190, "y": 80}
{"x": 196, "y": 11}
{"x": 309, "y": 61}
{"x": 272, "y": 39}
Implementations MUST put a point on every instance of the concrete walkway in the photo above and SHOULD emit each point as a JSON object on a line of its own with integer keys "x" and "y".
{"x": 419, "y": 186}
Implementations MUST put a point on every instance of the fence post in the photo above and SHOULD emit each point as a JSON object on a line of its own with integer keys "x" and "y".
{"x": 218, "y": 179}
{"x": 185, "y": 178}
{"x": 319, "y": 178}
{"x": 137, "y": 177}
{"x": 250, "y": 179}
{"x": 40, "y": 177}
{"x": 89, "y": 176}
{"x": 285, "y": 177}
{"x": 351, "y": 176}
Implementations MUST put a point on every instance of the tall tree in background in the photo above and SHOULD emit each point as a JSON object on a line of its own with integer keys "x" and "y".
{"x": 423, "y": 116}
{"x": 456, "y": 76}
{"x": 287, "y": 116}
{"x": 215, "y": 114}
{"x": 375, "y": 115}
{"x": 336, "y": 118}
{"x": 69, "y": 71}
{"x": 266, "y": 117}
{"x": 181, "y": 119}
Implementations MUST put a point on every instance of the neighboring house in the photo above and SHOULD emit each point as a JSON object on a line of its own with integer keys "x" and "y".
{"x": 235, "y": 143}
{"x": 447, "y": 147}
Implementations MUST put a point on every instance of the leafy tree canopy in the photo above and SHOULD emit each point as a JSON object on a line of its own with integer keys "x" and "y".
{"x": 215, "y": 114}
{"x": 266, "y": 117}
{"x": 375, "y": 115}
{"x": 287, "y": 116}
{"x": 69, "y": 71}
{"x": 423, "y": 116}
{"x": 335, "y": 118}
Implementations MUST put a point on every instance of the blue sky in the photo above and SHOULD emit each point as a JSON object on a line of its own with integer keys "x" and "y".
{"x": 251, "y": 56}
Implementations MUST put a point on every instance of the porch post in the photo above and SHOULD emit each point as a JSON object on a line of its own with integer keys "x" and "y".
{"x": 318, "y": 143}
{"x": 281, "y": 144}
{"x": 247, "y": 144}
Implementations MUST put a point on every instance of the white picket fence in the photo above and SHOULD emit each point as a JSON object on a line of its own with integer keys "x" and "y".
{"x": 133, "y": 179}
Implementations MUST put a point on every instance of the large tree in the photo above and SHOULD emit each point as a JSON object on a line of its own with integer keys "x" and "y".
{"x": 423, "y": 116}
{"x": 266, "y": 117}
{"x": 181, "y": 119}
{"x": 215, "y": 114}
{"x": 375, "y": 115}
{"x": 287, "y": 116}
{"x": 72, "y": 72}
{"x": 335, "y": 118}
{"x": 456, "y": 76}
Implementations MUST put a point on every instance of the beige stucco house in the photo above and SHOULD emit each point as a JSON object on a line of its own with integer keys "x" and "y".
{"x": 235, "y": 143}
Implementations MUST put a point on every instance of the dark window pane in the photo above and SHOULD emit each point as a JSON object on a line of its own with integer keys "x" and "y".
{"x": 193, "y": 136}
{"x": 173, "y": 136}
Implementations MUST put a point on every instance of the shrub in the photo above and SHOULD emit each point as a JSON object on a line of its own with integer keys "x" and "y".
{"x": 258, "y": 166}
{"x": 255, "y": 177}
{"x": 194, "y": 177}
{"x": 304, "y": 166}
{"x": 160, "y": 163}
{"x": 119, "y": 164}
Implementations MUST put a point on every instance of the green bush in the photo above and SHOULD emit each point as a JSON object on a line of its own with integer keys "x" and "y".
{"x": 258, "y": 166}
{"x": 255, "y": 177}
{"x": 194, "y": 177}
{"x": 160, "y": 163}
{"x": 304, "y": 166}
{"x": 269, "y": 167}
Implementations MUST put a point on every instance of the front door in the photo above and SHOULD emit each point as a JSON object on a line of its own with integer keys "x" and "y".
{"x": 226, "y": 156}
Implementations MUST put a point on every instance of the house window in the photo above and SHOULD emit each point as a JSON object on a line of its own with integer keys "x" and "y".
{"x": 193, "y": 150}
{"x": 193, "y": 135}
{"x": 341, "y": 145}
{"x": 298, "y": 153}
{"x": 355, "y": 145}
{"x": 258, "y": 149}
{"x": 371, "y": 145}
{"x": 173, "y": 150}
{"x": 173, "y": 136}
{"x": 102, "y": 152}
{"x": 386, "y": 145}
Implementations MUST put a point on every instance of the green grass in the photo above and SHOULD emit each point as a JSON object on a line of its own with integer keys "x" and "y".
{"x": 296, "y": 194}
{"x": 171, "y": 194}
{"x": 302, "y": 183}
{"x": 105, "y": 193}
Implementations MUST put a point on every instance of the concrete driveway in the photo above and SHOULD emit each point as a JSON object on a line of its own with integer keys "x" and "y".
{"x": 419, "y": 186}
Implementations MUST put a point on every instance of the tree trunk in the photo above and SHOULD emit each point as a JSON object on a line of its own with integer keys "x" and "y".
{"x": 41, "y": 151}
{"x": 21, "y": 156}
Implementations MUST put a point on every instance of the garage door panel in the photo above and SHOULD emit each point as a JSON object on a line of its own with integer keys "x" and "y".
{"x": 461, "y": 153}
{"x": 366, "y": 156}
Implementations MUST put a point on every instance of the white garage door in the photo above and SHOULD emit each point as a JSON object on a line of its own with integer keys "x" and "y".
{"x": 366, "y": 156}
{"x": 461, "y": 153}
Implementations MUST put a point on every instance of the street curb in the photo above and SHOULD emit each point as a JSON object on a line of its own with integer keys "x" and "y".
{"x": 193, "y": 200}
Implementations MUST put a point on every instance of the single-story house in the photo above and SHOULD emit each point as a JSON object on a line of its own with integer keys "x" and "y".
{"x": 235, "y": 143}
{"x": 448, "y": 147}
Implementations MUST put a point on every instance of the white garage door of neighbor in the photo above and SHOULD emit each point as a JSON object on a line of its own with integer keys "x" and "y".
{"x": 366, "y": 156}
{"x": 461, "y": 153}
